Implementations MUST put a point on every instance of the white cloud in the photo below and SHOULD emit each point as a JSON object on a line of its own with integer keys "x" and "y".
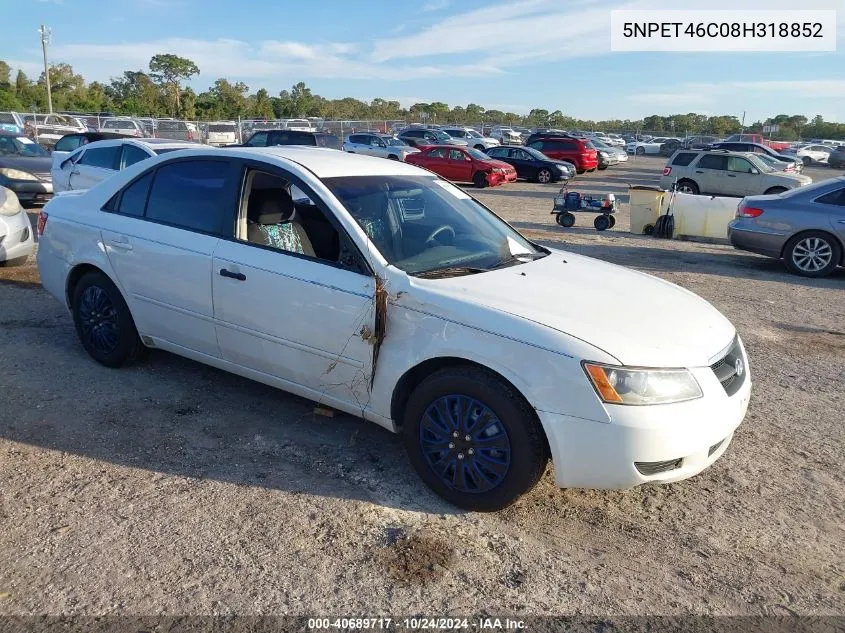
{"x": 435, "y": 5}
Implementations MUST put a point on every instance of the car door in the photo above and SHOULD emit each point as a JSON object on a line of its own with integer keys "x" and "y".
{"x": 502, "y": 154}
{"x": 709, "y": 173}
{"x": 95, "y": 165}
{"x": 377, "y": 146}
{"x": 437, "y": 161}
{"x": 160, "y": 237}
{"x": 300, "y": 317}
{"x": 523, "y": 163}
{"x": 460, "y": 166}
{"x": 357, "y": 144}
{"x": 742, "y": 178}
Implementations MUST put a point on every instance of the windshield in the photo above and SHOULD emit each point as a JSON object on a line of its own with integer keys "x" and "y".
{"x": 763, "y": 165}
{"x": 20, "y": 146}
{"x": 535, "y": 153}
{"x": 440, "y": 136}
{"x": 599, "y": 143}
{"x": 477, "y": 154}
{"x": 395, "y": 142}
{"x": 221, "y": 127}
{"x": 768, "y": 160}
{"x": 473, "y": 134}
{"x": 422, "y": 224}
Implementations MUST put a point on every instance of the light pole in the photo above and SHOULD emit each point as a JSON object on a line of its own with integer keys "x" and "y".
{"x": 45, "y": 40}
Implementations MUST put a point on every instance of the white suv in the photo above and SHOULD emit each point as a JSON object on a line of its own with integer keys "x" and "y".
{"x": 123, "y": 125}
{"x": 472, "y": 137}
{"x": 381, "y": 145}
{"x": 725, "y": 173}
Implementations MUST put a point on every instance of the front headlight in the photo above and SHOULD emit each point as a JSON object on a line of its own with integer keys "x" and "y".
{"x": 498, "y": 170}
{"x": 604, "y": 154}
{"x": 620, "y": 385}
{"x": 10, "y": 204}
{"x": 16, "y": 174}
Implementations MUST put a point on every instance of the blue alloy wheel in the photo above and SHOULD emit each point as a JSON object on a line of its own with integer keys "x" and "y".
{"x": 465, "y": 444}
{"x": 98, "y": 320}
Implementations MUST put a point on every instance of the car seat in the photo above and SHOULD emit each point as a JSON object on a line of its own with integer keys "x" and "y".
{"x": 270, "y": 222}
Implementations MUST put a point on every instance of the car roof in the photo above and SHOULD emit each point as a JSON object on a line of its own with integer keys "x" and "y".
{"x": 158, "y": 143}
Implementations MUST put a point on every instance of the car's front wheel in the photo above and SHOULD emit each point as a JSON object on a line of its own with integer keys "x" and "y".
{"x": 806, "y": 160}
{"x": 544, "y": 176}
{"x": 775, "y": 190}
{"x": 473, "y": 439}
{"x": 103, "y": 321}
{"x": 688, "y": 186}
{"x": 480, "y": 147}
{"x": 812, "y": 254}
{"x": 479, "y": 179}
{"x": 639, "y": 151}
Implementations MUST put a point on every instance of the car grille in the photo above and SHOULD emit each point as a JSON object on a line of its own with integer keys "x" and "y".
{"x": 730, "y": 370}
{"x": 655, "y": 468}
{"x": 46, "y": 176}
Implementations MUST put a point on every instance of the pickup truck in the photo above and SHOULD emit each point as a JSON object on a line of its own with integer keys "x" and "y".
{"x": 757, "y": 138}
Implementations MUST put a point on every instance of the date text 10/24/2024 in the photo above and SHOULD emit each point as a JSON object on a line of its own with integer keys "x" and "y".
{"x": 721, "y": 31}
{"x": 416, "y": 624}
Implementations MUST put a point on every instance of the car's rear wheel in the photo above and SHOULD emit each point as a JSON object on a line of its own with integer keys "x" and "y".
{"x": 639, "y": 151}
{"x": 480, "y": 179}
{"x": 775, "y": 190}
{"x": 103, "y": 321}
{"x": 812, "y": 254}
{"x": 393, "y": 157}
{"x": 688, "y": 186}
{"x": 806, "y": 160}
{"x": 473, "y": 439}
{"x": 544, "y": 176}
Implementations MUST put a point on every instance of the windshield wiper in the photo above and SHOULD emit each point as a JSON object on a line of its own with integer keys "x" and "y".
{"x": 449, "y": 271}
{"x": 518, "y": 258}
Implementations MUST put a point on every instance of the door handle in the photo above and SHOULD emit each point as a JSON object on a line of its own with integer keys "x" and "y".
{"x": 698, "y": 171}
{"x": 231, "y": 275}
{"x": 121, "y": 242}
{"x": 731, "y": 175}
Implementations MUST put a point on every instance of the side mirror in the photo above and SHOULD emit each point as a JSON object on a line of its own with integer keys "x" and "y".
{"x": 754, "y": 171}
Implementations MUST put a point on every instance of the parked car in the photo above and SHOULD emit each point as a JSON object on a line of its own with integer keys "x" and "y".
{"x": 759, "y": 139}
{"x": 578, "y": 151}
{"x": 221, "y": 133}
{"x": 382, "y": 145}
{"x": 725, "y": 173}
{"x": 12, "y": 122}
{"x": 176, "y": 130}
{"x": 300, "y": 125}
{"x": 506, "y": 135}
{"x": 207, "y": 255}
{"x": 271, "y": 138}
{"x": 805, "y": 227}
{"x": 95, "y": 162}
{"x": 531, "y": 164}
{"x": 615, "y": 140}
{"x": 758, "y": 148}
{"x": 650, "y": 147}
{"x": 123, "y": 125}
{"x": 670, "y": 147}
{"x": 49, "y": 128}
{"x": 779, "y": 165}
{"x": 700, "y": 142}
{"x": 423, "y": 137}
{"x": 607, "y": 154}
{"x": 25, "y": 168}
{"x": 16, "y": 240}
{"x": 837, "y": 157}
{"x": 472, "y": 137}
{"x": 464, "y": 164}
{"x": 809, "y": 154}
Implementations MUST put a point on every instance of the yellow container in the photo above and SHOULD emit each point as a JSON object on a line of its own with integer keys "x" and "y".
{"x": 703, "y": 216}
{"x": 647, "y": 203}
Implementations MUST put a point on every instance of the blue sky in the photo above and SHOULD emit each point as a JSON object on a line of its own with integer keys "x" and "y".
{"x": 514, "y": 55}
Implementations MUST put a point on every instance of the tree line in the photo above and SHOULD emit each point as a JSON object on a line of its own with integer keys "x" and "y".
{"x": 159, "y": 91}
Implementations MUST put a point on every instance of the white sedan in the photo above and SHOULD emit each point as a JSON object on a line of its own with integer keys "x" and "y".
{"x": 379, "y": 289}
{"x": 809, "y": 154}
{"x": 648, "y": 147}
{"x": 94, "y": 162}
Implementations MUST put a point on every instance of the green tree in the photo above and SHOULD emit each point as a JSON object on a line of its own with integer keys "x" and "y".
{"x": 260, "y": 105}
{"x": 5, "y": 76}
{"x": 168, "y": 70}
{"x": 302, "y": 101}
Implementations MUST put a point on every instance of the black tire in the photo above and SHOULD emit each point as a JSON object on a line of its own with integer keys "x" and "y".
{"x": 393, "y": 157}
{"x": 612, "y": 221}
{"x": 515, "y": 422}
{"x": 98, "y": 306}
{"x": 479, "y": 179}
{"x": 480, "y": 147}
{"x": 775, "y": 190}
{"x": 640, "y": 151}
{"x": 580, "y": 171}
{"x": 566, "y": 220}
{"x": 688, "y": 186}
{"x": 544, "y": 176}
{"x": 602, "y": 223}
{"x": 822, "y": 244}
{"x": 807, "y": 161}
{"x": 603, "y": 167}
{"x": 648, "y": 229}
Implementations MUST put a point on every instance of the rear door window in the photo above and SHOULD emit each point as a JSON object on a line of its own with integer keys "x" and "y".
{"x": 330, "y": 141}
{"x": 132, "y": 155}
{"x": 102, "y": 157}
{"x": 205, "y": 184}
{"x": 259, "y": 139}
{"x": 836, "y": 198}
{"x": 134, "y": 197}
{"x": 713, "y": 161}
{"x": 739, "y": 164}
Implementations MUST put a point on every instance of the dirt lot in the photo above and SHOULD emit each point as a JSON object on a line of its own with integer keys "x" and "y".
{"x": 173, "y": 488}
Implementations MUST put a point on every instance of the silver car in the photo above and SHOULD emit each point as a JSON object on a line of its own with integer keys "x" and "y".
{"x": 381, "y": 145}
{"x": 805, "y": 227}
{"x": 472, "y": 137}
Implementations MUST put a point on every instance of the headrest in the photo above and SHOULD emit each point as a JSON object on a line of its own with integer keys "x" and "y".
{"x": 372, "y": 206}
{"x": 270, "y": 206}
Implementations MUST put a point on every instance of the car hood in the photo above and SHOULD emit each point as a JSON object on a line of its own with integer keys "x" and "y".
{"x": 636, "y": 318}
{"x": 30, "y": 164}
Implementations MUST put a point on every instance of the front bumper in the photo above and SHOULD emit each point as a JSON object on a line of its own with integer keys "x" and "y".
{"x": 748, "y": 238}
{"x": 498, "y": 179}
{"x": 16, "y": 236}
{"x": 629, "y": 450}
{"x": 30, "y": 190}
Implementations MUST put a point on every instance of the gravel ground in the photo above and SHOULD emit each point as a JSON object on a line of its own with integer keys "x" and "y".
{"x": 173, "y": 488}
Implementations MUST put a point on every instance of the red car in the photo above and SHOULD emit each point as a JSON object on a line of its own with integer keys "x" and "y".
{"x": 578, "y": 151}
{"x": 462, "y": 164}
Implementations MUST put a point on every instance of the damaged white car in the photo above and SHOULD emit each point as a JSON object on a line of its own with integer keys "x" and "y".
{"x": 381, "y": 290}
